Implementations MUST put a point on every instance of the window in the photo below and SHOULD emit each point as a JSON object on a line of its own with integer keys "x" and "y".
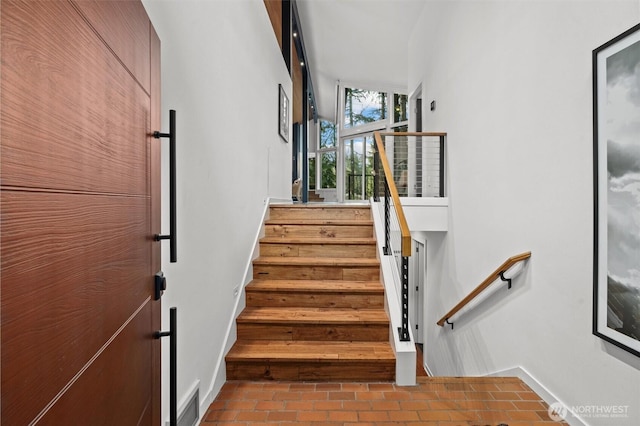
{"x": 358, "y": 167}
{"x": 328, "y": 163}
{"x": 361, "y": 113}
{"x": 327, "y": 159}
{"x": 401, "y": 161}
{"x": 327, "y": 134}
{"x": 400, "y": 108}
{"x": 312, "y": 171}
{"x": 363, "y": 106}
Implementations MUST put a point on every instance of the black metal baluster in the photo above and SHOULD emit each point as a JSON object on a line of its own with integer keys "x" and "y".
{"x": 441, "y": 183}
{"x": 387, "y": 219}
{"x": 404, "y": 330}
{"x": 376, "y": 176}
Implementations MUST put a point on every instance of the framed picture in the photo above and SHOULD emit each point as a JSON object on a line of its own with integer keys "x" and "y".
{"x": 283, "y": 114}
{"x": 616, "y": 151}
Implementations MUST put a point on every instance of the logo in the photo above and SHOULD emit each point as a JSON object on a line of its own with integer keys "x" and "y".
{"x": 557, "y": 411}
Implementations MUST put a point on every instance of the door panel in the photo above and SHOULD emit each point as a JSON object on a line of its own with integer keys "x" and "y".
{"x": 124, "y": 25}
{"x": 74, "y": 113}
{"x": 125, "y": 358}
{"x": 68, "y": 262}
{"x": 417, "y": 265}
{"x": 80, "y": 203}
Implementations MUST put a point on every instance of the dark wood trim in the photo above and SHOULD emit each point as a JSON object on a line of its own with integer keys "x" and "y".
{"x": 305, "y": 137}
{"x": 286, "y": 33}
{"x": 274, "y": 10}
{"x": 302, "y": 54}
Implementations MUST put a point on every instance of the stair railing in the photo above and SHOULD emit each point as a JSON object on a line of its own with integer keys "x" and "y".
{"x": 397, "y": 235}
{"x": 416, "y": 163}
{"x": 497, "y": 274}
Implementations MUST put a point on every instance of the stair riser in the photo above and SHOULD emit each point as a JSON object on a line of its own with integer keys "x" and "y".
{"x": 343, "y": 333}
{"x": 312, "y": 371}
{"x": 320, "y": 213}
{"x": 294, "y": 272}
{"x": 317, "y": 300}
{"x": 319, "y": 231}
{"x": 318, "y": 250}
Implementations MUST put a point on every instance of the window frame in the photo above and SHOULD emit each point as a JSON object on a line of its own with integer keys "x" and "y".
{"x": 381, "y": 125}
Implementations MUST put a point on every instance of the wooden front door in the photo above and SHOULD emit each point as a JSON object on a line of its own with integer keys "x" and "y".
{"x": 79, "y": 207}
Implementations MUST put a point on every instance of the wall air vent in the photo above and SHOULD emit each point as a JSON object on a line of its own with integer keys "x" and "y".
{"x": 189, "y": 411}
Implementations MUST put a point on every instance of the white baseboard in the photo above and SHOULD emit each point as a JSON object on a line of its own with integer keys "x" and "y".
{"x": 541, "y": 390}
{"x": 220, "y": 373}
{"x": 426, "y": 368}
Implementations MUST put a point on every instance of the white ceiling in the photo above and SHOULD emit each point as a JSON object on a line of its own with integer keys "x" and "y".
{"x": 359, "y": 42}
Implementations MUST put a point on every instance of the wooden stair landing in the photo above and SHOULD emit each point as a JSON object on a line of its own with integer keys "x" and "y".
{"x": 315, "y": 308}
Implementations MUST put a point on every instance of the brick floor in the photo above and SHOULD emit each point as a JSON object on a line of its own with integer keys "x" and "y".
{"x": 434, "y": 401}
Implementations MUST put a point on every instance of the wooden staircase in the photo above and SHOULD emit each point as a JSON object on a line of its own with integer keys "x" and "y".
{"x": 314, "y": 197}
{"x": 315, "y": 308}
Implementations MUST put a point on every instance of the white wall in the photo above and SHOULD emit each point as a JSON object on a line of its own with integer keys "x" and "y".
{"x": 512, "y": 81}
{"x": 221, "y": 66}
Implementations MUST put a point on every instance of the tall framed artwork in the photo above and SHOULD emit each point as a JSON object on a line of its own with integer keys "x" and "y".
{"x": 283, "y": 114}
{"x": 616, "y": 151}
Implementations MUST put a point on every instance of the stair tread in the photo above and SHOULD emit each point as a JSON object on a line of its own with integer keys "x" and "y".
{"x": 316, "y": 261}
{"x": 318, "y": 240}
{"x": 321, "y": 206}
{"x": 350, "y": 222}
{"x": 298, "y": 315}
{"x": 292, "y": 351}
{"x": 316, "y": 286}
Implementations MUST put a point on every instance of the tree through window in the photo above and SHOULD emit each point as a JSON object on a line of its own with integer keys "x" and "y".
{"x": 363, "y": 106}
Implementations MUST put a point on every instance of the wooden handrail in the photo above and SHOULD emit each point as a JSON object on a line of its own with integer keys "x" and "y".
{"x": 405, "y": 234}
{"x": 486, "y": 283}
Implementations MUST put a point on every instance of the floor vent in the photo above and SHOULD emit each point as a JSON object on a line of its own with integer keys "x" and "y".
{"x": 190, "y": 413}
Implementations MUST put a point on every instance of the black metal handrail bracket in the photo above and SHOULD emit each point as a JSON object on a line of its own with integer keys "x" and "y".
{"x": 173, "y": 233}
{"x": 506, "y": 280}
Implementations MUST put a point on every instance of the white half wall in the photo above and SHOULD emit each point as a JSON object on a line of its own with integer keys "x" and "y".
{"x": 221, "y": 66}
{"x": 512, "y": 84}
{"x": 426, "y": 213}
